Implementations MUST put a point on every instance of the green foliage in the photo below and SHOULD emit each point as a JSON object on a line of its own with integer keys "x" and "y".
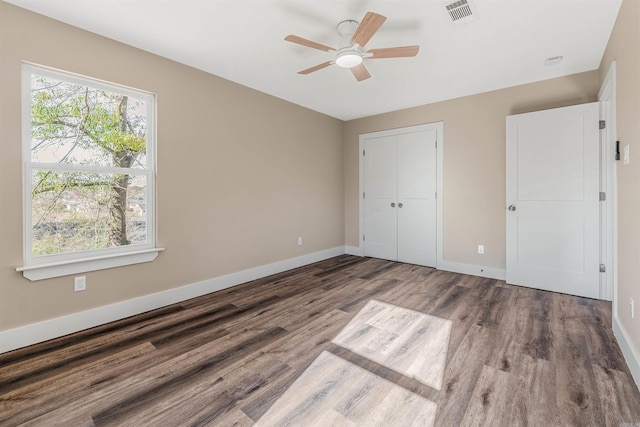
{"x": 66, "y": 113}
{"x": 80, "y": 125}
{"x": 71, "y": 236}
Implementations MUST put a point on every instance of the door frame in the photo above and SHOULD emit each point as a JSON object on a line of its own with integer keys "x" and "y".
{"x": 608, "y": 184}
{"x": 439, "y": 128}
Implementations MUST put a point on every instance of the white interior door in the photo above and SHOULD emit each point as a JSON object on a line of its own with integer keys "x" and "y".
{"x": 553, "y": 200}
{"x": 416, "y": 198}
{"x": 380, "y": 202}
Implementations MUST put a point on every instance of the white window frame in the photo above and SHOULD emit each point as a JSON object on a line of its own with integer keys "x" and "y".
{"x": 55, "y": 265}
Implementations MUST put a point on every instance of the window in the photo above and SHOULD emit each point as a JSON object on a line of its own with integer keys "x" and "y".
{"x": 89, "y": 169}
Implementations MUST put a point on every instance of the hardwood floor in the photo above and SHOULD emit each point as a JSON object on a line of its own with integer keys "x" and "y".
{"x": 347, "y": 341}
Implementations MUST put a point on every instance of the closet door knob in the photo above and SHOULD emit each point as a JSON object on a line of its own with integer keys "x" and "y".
{"x": 399, "y": 205}
{"x": 393, "y": 205}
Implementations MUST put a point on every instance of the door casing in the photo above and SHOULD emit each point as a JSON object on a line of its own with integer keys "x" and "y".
{"x": 608, "y": 184}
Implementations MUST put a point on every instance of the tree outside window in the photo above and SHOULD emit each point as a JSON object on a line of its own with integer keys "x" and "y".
{"x": 89, "y": 166}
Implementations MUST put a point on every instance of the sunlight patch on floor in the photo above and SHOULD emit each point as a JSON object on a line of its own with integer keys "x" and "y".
{"x": 335, "y": 392}
{"x": 409, "y": 342}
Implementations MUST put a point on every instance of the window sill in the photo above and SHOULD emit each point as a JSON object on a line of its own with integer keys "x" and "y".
{"x": 83, "y": 265}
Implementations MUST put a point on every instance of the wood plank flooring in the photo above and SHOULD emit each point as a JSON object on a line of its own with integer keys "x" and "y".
{"x": 348, "y": 341}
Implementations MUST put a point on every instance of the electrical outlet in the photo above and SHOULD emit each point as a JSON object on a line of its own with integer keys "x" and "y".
{"x": 480, "y": 249}
{"x": 79, "y": 283}
{"x": 299, "y": 241}
{"x": 632, "y": 308}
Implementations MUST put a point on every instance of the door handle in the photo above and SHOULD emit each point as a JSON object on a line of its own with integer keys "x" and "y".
{"x": 399, "y": 205}
{"x": 512, "y": 208}
{"x": 393, "y": 205}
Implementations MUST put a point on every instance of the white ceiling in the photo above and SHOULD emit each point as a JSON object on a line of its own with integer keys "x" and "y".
{"x": 243, "y": 41}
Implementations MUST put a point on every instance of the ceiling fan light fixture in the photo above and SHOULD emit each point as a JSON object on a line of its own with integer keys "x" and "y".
{"x": 348, "y": 59}
{"x": 351, "y": 52}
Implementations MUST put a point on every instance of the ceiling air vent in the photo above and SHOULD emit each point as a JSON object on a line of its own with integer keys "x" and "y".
{"x": 460, "y": 11}
{"x": 552, "y": 60}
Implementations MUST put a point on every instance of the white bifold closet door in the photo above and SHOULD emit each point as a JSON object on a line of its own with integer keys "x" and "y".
{"x": 399, "y": 197}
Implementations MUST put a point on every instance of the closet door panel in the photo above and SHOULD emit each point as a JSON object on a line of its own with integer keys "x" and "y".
{"x": 416, "y": 153}
{"x": 380, "y": 201}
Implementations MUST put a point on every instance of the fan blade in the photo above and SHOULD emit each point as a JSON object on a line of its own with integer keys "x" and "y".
{"x": 394, "y": 52}
{"x": 308, "y": 43}
{"x": 360, "y": 72}
{"x": 316, "y": 68}
{"x": 367, "y": 28}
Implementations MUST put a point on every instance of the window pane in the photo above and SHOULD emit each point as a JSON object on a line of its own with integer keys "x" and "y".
{"x": 76, "y": 211}
{"x": 78, "y": 124}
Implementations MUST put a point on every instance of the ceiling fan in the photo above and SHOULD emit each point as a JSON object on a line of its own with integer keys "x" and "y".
{"x": 351, "y": 52}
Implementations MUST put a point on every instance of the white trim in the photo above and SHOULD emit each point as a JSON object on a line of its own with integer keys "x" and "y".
{"x": 608, "y": 94}
{"x": 81, "y": 79}
{"x": 439, "y": 128}
{"x": 354, "y": 250}
{"x": 82, "y": 265}
{"x": 440, "y": 262}
{"x": 608, "y": 212}
{"x": 630, "y": 355}
{"x": 60, "y": 326}
{"x": 453, "y": 267}
{"x": 103, "y": 170}
{"x": 38, "y": 267}
{"x": 473, "y": 270}
{"x": 361, "y": 140}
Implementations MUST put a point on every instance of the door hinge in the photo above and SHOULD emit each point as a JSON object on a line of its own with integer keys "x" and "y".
{"x": 603, "y": 268}
{"x": 363, "y": 194}
{"x": 363, "y": 237}
{"x": 603, "y": 196}
{"x": 362, "y": 153}
{"x": 436, "y": 143}
{"x": 603, "y": 124}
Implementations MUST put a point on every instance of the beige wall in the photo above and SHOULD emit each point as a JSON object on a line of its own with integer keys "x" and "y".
{"x": 624, "y": 48}
{"x": 240, "y": 174}
{"x": 474, "y": 160}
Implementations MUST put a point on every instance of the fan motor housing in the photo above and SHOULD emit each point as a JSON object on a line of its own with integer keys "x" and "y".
{"x": 346, "y": 30}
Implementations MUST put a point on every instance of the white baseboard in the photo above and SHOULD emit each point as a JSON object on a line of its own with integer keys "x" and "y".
{"x": 42, "y": 331}
{"x": 474, "y": 270}
{"x": 454, "y": 267}
{"x": 628, "y": 350}
{"x": 353, "y": 250}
